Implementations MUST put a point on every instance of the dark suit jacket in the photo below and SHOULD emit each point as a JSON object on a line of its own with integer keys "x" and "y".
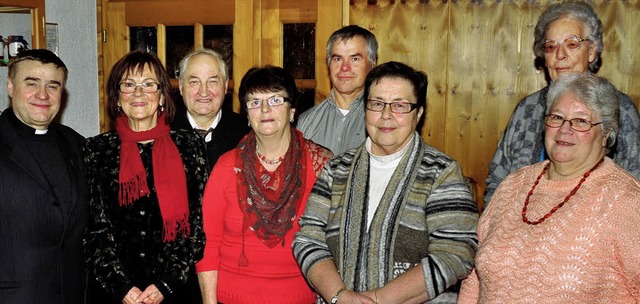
{"x": 40, "y": 245}
{"x": 230, "y": 130}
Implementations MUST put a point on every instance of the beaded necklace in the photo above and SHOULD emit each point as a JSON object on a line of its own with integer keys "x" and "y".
{"x": 558, "y": 206}
{"x": 268, "y": 161}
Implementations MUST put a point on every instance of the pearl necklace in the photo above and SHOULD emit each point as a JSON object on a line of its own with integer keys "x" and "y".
{"x": 269, "y": 161}
{"x": 558, "y": 206}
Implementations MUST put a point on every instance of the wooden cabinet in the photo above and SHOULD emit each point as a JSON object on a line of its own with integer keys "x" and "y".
{"x": 36, "y": 9}
{"x": 24, "y": 18}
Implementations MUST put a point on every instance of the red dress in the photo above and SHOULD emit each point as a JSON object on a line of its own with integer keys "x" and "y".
{"x": 273, "y": 276}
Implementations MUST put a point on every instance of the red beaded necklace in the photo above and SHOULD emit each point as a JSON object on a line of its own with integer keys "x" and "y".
{"x": 554, "y": 209}
{"x": 268, "y": 161}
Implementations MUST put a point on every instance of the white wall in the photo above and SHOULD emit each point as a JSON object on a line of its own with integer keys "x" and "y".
{"x": 77, "y": 31}
{"x": 78, "y": 49}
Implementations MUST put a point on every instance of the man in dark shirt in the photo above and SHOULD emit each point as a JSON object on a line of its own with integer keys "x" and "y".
{"x": 203, "y": 84}
{"x": 42, "y": 188}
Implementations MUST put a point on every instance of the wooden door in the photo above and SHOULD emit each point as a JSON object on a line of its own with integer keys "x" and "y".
{"x": 257, "y": 34}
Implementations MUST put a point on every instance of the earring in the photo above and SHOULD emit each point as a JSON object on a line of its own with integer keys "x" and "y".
{"x": 249, "y": 124}
{"x": 119, "y": 109}
{"x": 161, "y": 108}
{"x": 291, "y": 119}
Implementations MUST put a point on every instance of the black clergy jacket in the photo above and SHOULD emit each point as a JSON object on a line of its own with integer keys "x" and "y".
{"x": 40, "y": 236}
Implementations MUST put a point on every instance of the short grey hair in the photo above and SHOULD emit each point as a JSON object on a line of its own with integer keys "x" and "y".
{"x": 347, "y": 33}
{"x": 224, "y": 70}
{"x": 580, "y": 11}
{"x": 595, "y": 92}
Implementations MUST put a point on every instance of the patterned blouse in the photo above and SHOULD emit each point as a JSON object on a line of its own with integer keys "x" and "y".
{"x": 123, "y": 244}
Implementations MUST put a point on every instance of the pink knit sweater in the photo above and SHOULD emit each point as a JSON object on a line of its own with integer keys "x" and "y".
{"x": 587, "y": 252}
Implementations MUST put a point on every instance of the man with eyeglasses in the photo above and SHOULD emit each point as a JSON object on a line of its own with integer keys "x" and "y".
{"x": 568, "y": 40}
{"x": 203, "y": 84}
{"x": 338, "y": 122}
{"x": 43, "y": 199}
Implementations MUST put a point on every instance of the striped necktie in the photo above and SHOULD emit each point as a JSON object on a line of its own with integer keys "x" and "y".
{"x": 204, "y": 133}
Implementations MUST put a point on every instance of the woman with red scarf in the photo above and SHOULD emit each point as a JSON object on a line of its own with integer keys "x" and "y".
{"x": 145, "y": 187}
{"x": 254, "y": 198}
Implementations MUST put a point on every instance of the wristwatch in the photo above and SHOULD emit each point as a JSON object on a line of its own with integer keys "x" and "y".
{"x": 334, "y": 300}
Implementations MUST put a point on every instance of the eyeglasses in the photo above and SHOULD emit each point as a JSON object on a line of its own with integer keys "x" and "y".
{"x": 272, "y": 101}
{"x": 571, "y": 43}
{"x": 577, "y": 124}
{"x": 147, "y": 87}
{"x": 396, "y": 107}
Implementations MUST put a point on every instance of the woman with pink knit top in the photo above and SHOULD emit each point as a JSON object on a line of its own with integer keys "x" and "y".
{"x": 565, "y": 230}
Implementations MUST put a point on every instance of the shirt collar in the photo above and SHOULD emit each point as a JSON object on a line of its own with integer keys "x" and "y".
{"x": 213, "y": 125}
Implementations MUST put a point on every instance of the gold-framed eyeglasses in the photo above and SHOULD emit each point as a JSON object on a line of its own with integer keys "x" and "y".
{"x": 272, "y": 101}
{"x": 571, "y": 43}
{"x": 577, "y": 124}
{"x": 147, "y": 87}
{"x": 395, "y": 107}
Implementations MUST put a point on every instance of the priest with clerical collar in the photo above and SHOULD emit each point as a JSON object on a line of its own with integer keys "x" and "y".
{"x": 42, "y": 187}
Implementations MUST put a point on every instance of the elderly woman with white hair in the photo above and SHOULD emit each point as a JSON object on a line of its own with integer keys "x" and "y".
{"x": 565, "y": 230}
{"x": 567, "y": 40}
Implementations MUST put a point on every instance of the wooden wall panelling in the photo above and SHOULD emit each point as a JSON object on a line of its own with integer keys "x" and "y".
{"x": 491, "y": 69}
{"x": 620, "y": 57}
{"x": 198, "y": 35}
{"x": 416, "y": 34}
{"x": 472, "y": 63}
{"x": 246, "y": 39}
{"x": 270, "y": 33}
{"x": 330, "y": 18}
{"x": 115, "y": 44}
{"x": 23, "y": 3}
{"x": 480, "y": 62}
{"x": 161, "y": 38}
{"x": 299, "y": 11}
{"x": 183, "y": 12}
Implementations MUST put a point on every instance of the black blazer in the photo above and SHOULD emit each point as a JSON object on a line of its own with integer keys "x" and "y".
{"x": 40, "y": 245}
{"x": 123, "y": 244}
{"x": 226, "y": 136}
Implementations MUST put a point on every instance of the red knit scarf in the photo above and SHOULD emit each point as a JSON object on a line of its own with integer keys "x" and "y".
{"x": 168, "y": 175}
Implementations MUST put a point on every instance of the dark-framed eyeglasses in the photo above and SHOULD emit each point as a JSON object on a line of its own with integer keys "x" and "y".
{"x": 571, "y": 43}
{"x": 272, "y": 101}
{"x": 147, "y": 87}
{"x": 577, "y": 124}
{"x": 395, "y": 107}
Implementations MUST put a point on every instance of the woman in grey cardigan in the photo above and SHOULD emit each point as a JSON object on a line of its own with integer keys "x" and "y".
{"x": 393, "y": 220}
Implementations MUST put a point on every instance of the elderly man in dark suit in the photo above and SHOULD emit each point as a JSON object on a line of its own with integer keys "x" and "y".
{"x": 203, "y": 84}
{"x": 42, "y": 188}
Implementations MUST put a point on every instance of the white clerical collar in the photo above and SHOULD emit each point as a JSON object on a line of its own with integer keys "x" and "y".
{"x": 41, "y": 132}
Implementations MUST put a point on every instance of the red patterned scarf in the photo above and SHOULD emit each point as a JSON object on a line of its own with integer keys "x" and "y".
{"x": 168, "y": 175}
{"x": 269, "y": 207}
